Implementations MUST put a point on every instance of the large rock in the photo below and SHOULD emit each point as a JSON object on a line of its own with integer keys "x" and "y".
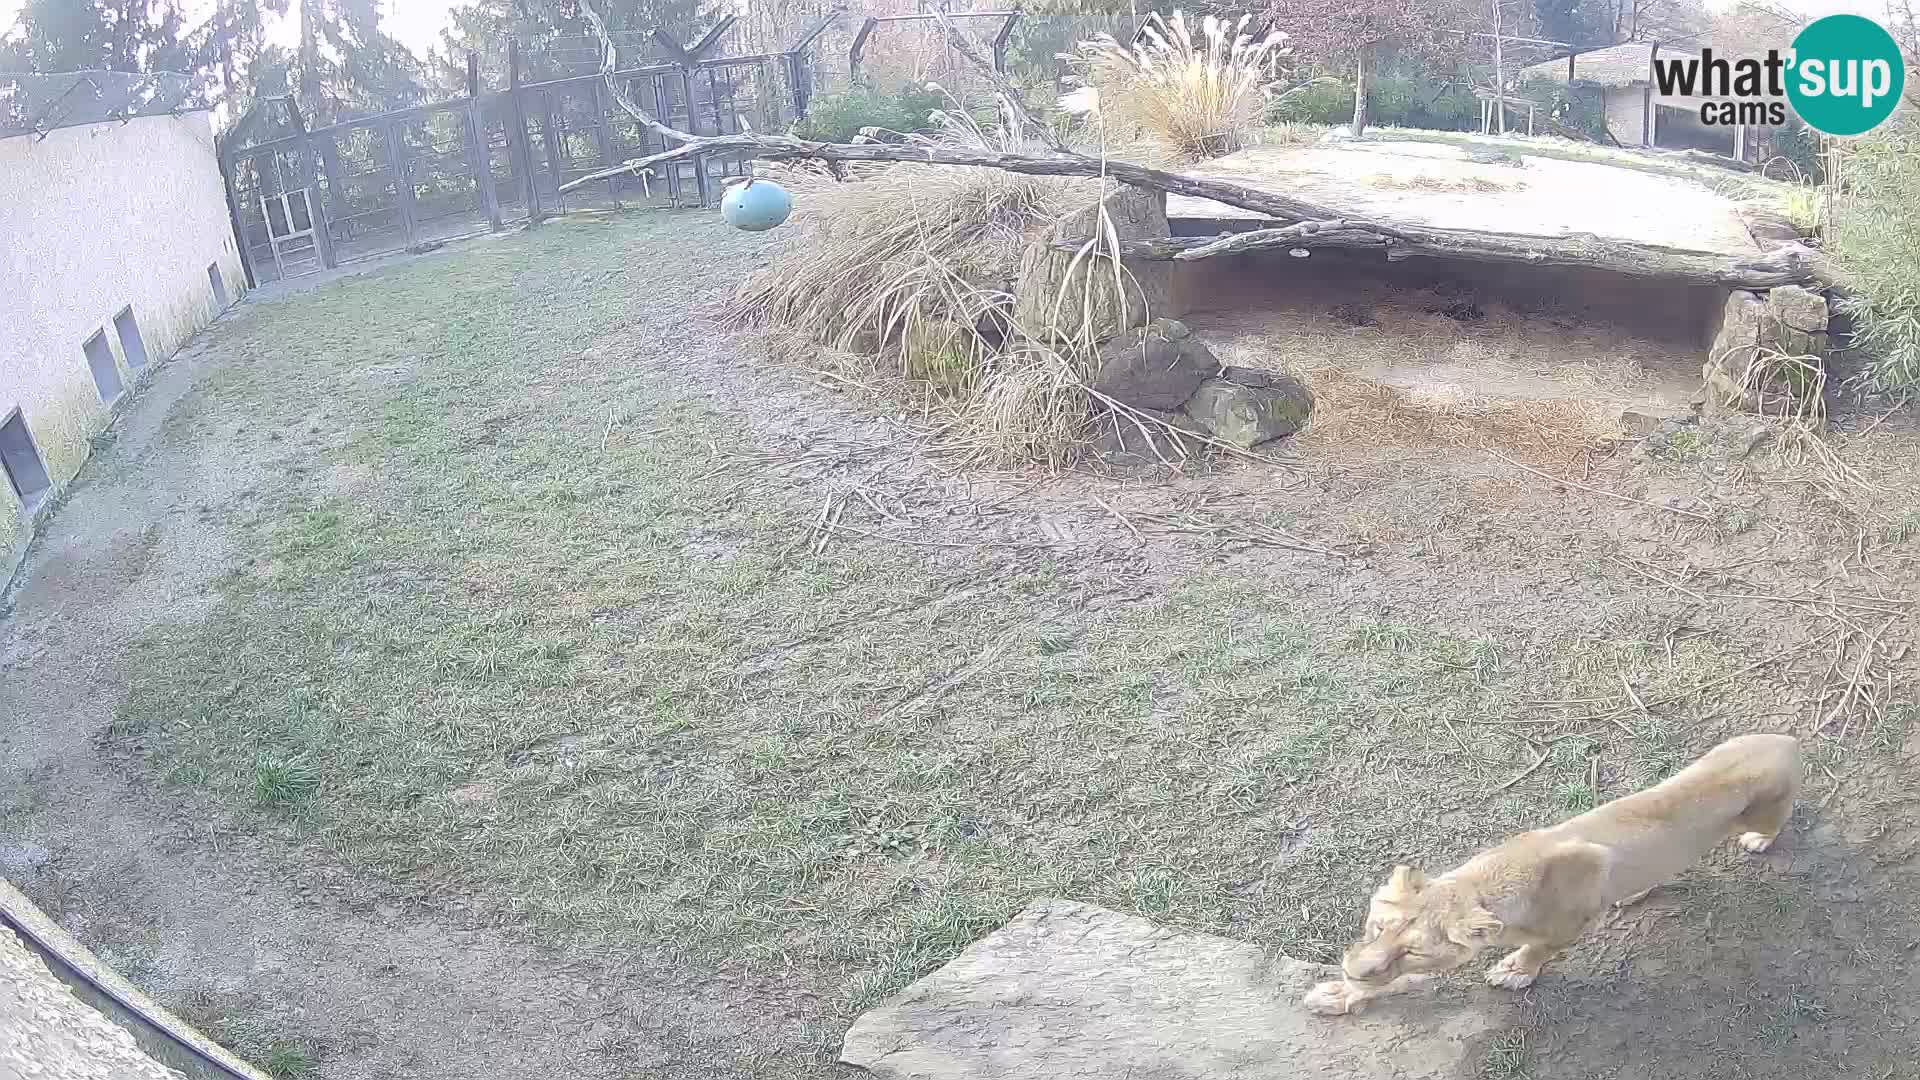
{"x": 1799, "y": 308}
{"x": 1743, "y": 323}
{"x": 1798, "y": 320}
{"x": 1788, "y": 319}
{"x": 1147, "y": 439}
{"x": 1245, "y": 407}
{"x": 1147, "y": 287}
{"x": 1070, "y": 991}
{"x": 1157, "y": 366}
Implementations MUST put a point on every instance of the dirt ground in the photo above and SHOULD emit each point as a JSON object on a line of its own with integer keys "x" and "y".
{"x": 488, "y": 667}
{"x": 1497, "y": 189}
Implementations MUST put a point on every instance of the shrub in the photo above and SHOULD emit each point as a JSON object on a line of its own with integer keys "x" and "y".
{"x": 1876, "y": 239}
{"x": 1799, "y": 144}
{"x": 1395, "y": 101}
{"x": 1199, "y": 97}
{"x": 1580, "y": 105}
{"x": 1327, "y": 102}
{"x": 839, "y": 116}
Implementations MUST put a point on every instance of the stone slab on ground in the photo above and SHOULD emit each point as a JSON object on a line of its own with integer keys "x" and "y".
{"x": 1438, "y": 184}
{"x": 1070, "y": 991}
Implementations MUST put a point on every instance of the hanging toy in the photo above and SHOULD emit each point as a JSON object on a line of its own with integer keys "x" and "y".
{"x": 755, "y": 206}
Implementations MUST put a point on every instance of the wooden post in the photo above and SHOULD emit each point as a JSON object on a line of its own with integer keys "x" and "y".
{"x": 602, "y": 139}
{"x": 1362, "y": 71}
{"x": 1647, "y": 131}
{"x": 797, "y": 84}
{"x": 228, "y": 162}
{"x": 1499, "y": 73}
{"x": 522, "y": 142}
{"x": 859, "y": 48}
{"x": 1000, "y": 40}
{"x": 693, "y": 127}
{"x": 550, "y": 137}
{"x": 479, "y": 161}
{"x": 400, "y": 166}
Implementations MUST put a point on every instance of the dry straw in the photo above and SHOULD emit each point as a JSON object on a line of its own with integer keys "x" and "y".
{"x": 906, "y": 272}
{"x": 1201, "y": 96}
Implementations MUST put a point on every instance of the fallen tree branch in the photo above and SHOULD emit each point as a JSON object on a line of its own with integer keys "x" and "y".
{"x": 782, "y": 147}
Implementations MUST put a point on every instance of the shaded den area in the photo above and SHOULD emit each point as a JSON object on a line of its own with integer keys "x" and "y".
{"x": 1446, "y": 345}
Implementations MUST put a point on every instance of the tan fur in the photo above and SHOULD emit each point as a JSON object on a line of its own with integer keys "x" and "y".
{"x": 1539, "y": 891}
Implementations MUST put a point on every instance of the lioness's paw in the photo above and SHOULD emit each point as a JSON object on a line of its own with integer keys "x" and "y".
{"x": 1329, "y": 999}
{"x": 1510, "y": 976}
{"x": 1755, "y": 842}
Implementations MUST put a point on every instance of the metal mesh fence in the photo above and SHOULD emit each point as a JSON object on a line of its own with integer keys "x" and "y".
{"x": 37, "y": 104}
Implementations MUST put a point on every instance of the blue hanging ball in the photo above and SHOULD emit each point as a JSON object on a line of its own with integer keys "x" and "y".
{"x": 756, "y": 205}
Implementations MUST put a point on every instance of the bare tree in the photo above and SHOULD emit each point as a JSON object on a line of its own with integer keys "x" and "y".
{"x": 1356, "y": 32}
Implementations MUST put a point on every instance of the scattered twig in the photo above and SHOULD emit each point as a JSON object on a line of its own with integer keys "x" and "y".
{"x": 837, "y": 527}
{"x": 1121, "y": 518}
{"x": 1832, "y": 791}
{"x": 1901, "y": 404}
{"x": 1652, "y": 573}
{"x": 1250, "y": 532}
{"x": 1538, "y": 761}
{"x": 1695, "y": 514}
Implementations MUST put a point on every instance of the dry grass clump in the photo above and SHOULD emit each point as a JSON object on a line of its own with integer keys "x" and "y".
{"x": 911, "y": 260}
{"x": 1200, "y": 97}
{"x": 1787, "y": 386}
{"x": 918, "y": 257}
{"x": 901, "y": 276}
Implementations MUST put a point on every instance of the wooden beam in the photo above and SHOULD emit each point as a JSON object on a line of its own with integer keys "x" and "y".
{"x": 859, "y": 48}
{"x": 712, "y": 37}
{"x": 806, "y": 38}
{"x": 1001, "y": 38}
{"x": 1789, "y": 265}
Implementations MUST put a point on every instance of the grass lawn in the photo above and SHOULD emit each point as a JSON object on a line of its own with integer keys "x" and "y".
{"x": 540, "y": 618}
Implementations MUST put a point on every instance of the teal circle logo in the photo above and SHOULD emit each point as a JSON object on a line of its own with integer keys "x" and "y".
{"x": 1847, "y": 75}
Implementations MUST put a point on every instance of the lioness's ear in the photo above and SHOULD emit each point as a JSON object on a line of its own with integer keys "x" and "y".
{"x": 1406, "y": 881}
{"x": 1479, "y": 926}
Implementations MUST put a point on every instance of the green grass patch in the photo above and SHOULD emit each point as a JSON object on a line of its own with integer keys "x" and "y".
{"x": 569, "y": 651}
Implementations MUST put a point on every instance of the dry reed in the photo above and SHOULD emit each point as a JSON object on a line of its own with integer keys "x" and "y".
{"x": 1199, "y": 96}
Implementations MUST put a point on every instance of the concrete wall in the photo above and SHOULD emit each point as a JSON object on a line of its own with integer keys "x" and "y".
{"x": 94, "y": 219}
{"x": 64, "y": 1013}
{"x": 1626, "y": 114}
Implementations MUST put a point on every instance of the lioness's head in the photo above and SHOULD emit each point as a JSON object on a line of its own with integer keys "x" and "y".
{"x": 1416, "y": 926}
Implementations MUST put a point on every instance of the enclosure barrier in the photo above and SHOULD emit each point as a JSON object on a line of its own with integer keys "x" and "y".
{"x": 414, "y": 178}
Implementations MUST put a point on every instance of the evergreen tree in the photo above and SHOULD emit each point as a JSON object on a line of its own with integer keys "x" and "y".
{"x": 95, "y": 35}
{"x": 484, "y": 27}
{"x": 348, "y": 66}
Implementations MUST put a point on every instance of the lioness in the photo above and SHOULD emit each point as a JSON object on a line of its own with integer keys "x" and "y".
{"x": 1540, "y": 890}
